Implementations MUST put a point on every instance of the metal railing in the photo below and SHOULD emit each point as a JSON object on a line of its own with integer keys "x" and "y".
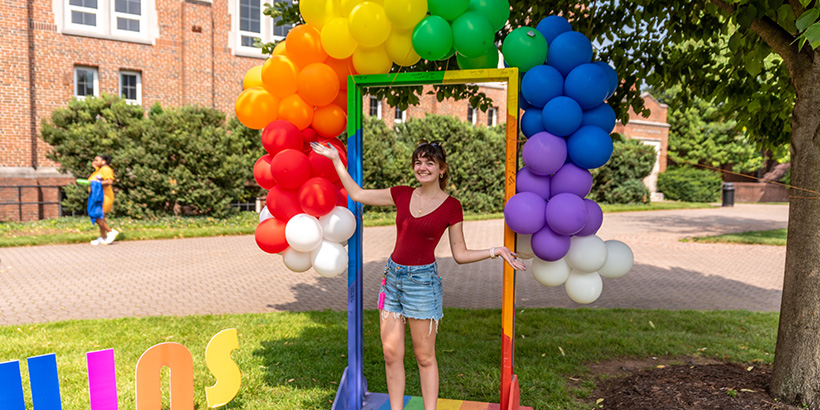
{"x": 20, "y": 202}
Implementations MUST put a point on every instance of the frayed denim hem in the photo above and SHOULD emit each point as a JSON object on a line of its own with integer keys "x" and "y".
{"x": 396, "y": 315}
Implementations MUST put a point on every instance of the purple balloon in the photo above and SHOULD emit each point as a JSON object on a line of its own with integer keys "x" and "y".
{"x": 526, "y": 181}
{"x": 548, "y": 245}
{"x": 571, "y": 179}
{"x": 524, "y": 213}
{"x": 544, "y": 153}
{"x": 566, "y": 214}
{"x": 595, "y": 217}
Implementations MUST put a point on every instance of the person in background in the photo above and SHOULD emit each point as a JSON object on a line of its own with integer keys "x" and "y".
{"x": 104, "y": 174}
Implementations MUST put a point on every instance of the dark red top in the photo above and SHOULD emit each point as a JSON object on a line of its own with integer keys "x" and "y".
{"x": 417, "y": 238}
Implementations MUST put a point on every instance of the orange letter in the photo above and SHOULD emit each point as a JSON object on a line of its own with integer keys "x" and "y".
{"x": 149, "y": 367}
{"x": 227, "y": 374}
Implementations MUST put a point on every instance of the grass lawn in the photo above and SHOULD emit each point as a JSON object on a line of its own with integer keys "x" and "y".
{"x": 775, "y": 237}
{"x": 295, "y": 360}
{"x": 79, "y": 229}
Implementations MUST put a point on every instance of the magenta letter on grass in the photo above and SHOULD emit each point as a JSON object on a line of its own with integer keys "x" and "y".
{"x": 102, "y": 380}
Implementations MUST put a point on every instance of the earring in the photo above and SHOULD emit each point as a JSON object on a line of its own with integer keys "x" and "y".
{"x": 440, "y": 176}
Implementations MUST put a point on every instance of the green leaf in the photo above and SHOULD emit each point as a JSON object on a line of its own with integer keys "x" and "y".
{"x": 805, "y": 3}
{"x": 746, "y": 15}
{"x": 807, "y": 18}
{"x": 812, "y": 33}
{"x": 786, "y": 18}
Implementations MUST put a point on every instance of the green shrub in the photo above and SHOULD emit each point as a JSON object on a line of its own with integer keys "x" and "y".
{"x": 690, "y": 185}
{"x": 620, "y": 181}
{"x": 182, "y": 160}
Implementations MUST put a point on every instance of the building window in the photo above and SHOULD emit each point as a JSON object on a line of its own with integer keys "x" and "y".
{"x": 85, "y": 82}
{"x": 471, "y": 114}
{"x": 400, "y": 115}
{"x": 492, "y": 116}
{"x": 252, "y": 24}
{"x": 83, "y": 12}
{"x": 122, "y": 20}
{"x": 131, "y": 87}
{"x": 127, "y": 15}
{"x": 375, "y": 107}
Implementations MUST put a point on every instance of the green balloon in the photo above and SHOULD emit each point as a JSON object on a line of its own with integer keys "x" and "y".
{"x": 448, "y": 9}
{"x": 472, "y": 34}
{"x": 497, "y": 11}
{"x": 432, "y": 38}
{"x": 525, "y": 48}
{"x": 82, "y": 181}
{"x": 487, "y": 60}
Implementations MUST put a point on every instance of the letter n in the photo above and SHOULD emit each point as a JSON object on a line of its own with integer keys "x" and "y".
{"x": 149, "y": 370}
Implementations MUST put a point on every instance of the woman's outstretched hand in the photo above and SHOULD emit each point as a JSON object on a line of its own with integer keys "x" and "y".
{"x": 509, "y": 256}
{"x": 327, "y": 151}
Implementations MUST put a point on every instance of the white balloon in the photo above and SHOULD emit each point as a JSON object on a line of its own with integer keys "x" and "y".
{"x": 338, "y": 225}
{"x": 295, "y": 260}
{"x": 583, "y": 287}
{"x": 303, "y": 233}
{"x": 329, "y": 259}
{"x": 619, "y": 261}
{"x": 586, "y": 253}
{"x": 264, "y": 214}
{"x": 523, "y": 246}
{"x": 550, "y": 273}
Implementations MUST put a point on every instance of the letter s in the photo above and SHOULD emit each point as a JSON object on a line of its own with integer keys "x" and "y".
{"x": 225, "y": 371}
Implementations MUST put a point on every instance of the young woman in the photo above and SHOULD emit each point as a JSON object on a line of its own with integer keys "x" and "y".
{"x": 104, "y": 173}
{"x": 412, "y": 288}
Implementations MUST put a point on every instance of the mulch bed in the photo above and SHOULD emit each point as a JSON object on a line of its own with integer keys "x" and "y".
{"x": 648, "y": 385}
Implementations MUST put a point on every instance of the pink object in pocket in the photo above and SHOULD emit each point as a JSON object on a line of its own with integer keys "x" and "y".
{"x": 381, "y": 294}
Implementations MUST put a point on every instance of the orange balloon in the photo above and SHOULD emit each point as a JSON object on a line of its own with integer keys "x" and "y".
{"x": 253, "y": 78}
{"x": 279, "y": 75}
{"x": 341, "y": 100}
{"x": 305, "y": 45}
{"x": 255, "y": 108}
{"x": 280, "y": 49}
{"x": 294, "y": 109}
{"x": 318, "y": 84}
{"x": 329, "y": 121}
{"x": 343, "y": 68}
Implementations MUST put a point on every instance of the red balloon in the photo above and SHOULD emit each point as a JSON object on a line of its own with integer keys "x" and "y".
{"x": 270, "y": 235}
{"x": 322, "y": 167}
{"x": 310, "y": 135}
{"x": 341, "y": 197}
{"x": 290, "y": 168}
{"x": 262, "y": 174}
{"x": 339, "y": 146}
{"x": 280, "y": 135}
{"x": 317, "y": 196}
{"x": 283, "y": 204}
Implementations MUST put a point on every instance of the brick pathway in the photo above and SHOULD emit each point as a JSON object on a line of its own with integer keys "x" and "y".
{"x": 230, "y": 275}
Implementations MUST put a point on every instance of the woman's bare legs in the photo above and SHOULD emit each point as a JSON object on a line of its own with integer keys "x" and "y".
{"x": 392, "y": 333}
{"x": 104, "y": 229}
{"x": 423, "y": 333}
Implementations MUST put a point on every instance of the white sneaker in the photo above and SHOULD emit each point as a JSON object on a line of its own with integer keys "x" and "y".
{"x": 110, "y": 236}
{"x": 98, "y": 241}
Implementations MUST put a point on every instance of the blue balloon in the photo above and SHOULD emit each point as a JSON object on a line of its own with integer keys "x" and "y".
{"x": 587, "y": 85}
{"x": 552, "y": 26}
{"x": 561, "y": 116}
{"x": 602, "y": 116}
{"x": 531, "y": 122}
{"x": 568, "y": 51}
{"x": 541, "y": 84}
{"x": 590, "y": 147}
{"x": 611, "y": 75}
{"x": 522, "y": 103}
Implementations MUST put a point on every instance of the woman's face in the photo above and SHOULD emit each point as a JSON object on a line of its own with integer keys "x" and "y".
{"x": 426, "y": 169}
{"x": 97, "y": 162}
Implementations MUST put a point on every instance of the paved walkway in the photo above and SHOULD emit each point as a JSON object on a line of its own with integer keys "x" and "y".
{"x": 231, "y": 275}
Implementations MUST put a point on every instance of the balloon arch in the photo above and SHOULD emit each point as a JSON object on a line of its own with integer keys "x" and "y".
{"x": 301, "y": 94}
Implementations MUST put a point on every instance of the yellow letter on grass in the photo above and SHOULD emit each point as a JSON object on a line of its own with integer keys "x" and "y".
{"x": 219, "y": 362}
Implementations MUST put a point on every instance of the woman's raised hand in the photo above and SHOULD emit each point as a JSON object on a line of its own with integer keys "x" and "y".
{"x": 328, "y": 151}
{"x": 509, "y": 256}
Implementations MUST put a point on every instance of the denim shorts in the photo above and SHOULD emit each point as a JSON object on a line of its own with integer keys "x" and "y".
{"x": 413, "y": 292}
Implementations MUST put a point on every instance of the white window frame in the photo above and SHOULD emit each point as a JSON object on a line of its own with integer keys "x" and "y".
{"x": 266, "y": 26}
{"x": 106, "y": 27}
{"x": 492, "y": 116}
{"x": 378, "y": 102}
{"x": 471, "y": 112}
{"x": 96, "y": 81}
{"x": 138, "y": 101}
{"x": 403, "y": 115}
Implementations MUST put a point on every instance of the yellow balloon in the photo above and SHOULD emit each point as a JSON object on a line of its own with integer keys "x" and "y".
{"x": 318, "y": 12}
{"x": 253, "y": 78}
{"x": 399, "y": 48}
{"x": 405, "y": 14}
{"x": 371, "y": 60}
{"x": 336, "y": 39}
{"x": 368, "y": 24}
{"x": 346, "y": 6}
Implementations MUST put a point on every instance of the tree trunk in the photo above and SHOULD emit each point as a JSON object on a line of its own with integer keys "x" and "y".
{"x": 796, "y": 373}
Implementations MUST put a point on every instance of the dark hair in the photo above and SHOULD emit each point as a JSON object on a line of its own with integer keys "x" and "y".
{"x": 434, "y": 151}
{"x": 106, "y": 158}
